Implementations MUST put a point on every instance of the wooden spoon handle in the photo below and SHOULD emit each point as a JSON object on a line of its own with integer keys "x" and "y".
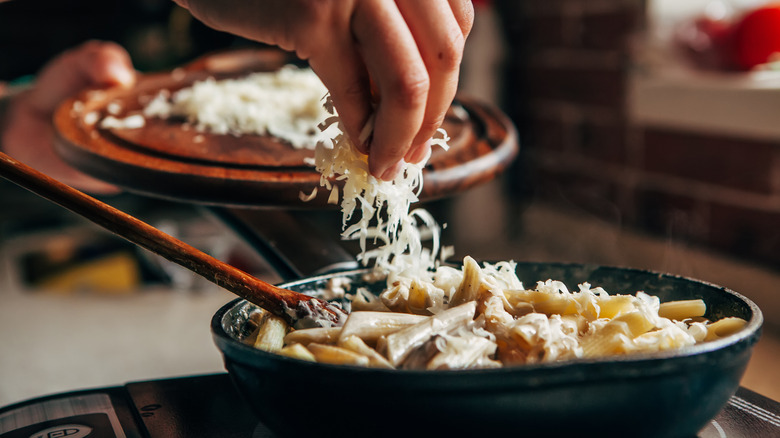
{"x": 274, "y": 299}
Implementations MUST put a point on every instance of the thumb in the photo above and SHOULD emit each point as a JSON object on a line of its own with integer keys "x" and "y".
{"x": 92, "y": 64}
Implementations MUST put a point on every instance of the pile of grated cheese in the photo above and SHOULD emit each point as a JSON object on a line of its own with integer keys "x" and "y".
{"x": 378, "y": 213}
{"x": 286, "y": 104}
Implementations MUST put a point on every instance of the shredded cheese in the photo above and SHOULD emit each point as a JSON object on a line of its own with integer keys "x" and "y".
{"x": 379, "y": 212}
{"x": 134, "y": 121}
{"x": 285, "y": 103}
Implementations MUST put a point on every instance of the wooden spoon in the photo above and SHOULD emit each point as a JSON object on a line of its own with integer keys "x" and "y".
{"x": 297, "y": 309}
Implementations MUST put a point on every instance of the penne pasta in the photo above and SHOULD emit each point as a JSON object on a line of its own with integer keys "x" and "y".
{"x": 298, "y": 351}
{"x": 337, "y": 355}
{"x": 399, "y": 344}
{"x": 490, "y": 322}
{"x": 636, "y": 322}
{"x": 320, "y": 335}
{"x": 724, "y": 327}
{"x": 616, "y": 336}
{"x": 682, "y": 309}
{"x": 471, "y": 286}
{"x": 354, "y": 343}
{"x": 611, "y": 306}
{"x": 463, "y": 352}
{"x": 542, "y": 302}
{"x": 370, "y": 326}
{"x": 270, "y": 335}
{"x": 610, "y": 340}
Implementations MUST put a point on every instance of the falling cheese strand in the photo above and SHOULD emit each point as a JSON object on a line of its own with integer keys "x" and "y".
{"x": 376, "y": 211}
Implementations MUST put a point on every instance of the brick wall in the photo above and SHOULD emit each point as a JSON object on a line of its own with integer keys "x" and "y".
{"x": 567, "y": 84}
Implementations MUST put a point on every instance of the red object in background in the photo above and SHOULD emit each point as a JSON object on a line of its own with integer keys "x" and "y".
{"x": 756, "y": 36}
{"x": 710, "y": 43}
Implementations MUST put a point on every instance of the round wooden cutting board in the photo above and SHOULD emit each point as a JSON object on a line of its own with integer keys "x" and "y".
{"x": 170, "y": 159}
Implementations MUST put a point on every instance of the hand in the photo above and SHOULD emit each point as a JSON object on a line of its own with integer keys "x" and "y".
{"x": 407, "y": 52}
{"x": 29, "y": 134}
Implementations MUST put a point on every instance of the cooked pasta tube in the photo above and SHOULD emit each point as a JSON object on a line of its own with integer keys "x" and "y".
{"x": 337, "y": 355}
{"x": 354, "y": 343}
{"x": 615, "y": 336}
{"x": 413, "y": 296}
{"x": 497, "y": 318}
{"x": 399, "y": 344}
{"x": 366, "y": 301}
{"x": 320, "y": 335}
{"x": 579, "y": 322}
{"x": 612, "y": 305}
{"x": 254, "y": 321}
{"x": 420, "y": 356}
{"x": 636, "y": 323}
{"x": 369, "y": 326}
{"x": 509, "y": 353}
{"x": 463, "y": 352}
{"x": 471, "y": 286}
{"x": 609, "y": 340}
{"x": 555, "y": 304}
{"x": 270, "y": 335}
{"x": 682, "y": 309}
{"x": 544, "y": 338}
{"x": 542, "y": 301}
{"x": 491, "y": 320}
{"x": 297, "y": 351}
{"x": 724, "y": 327}
{"x": 666, "y": 338}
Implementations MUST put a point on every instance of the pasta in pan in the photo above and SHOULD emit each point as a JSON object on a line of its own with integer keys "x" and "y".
{"x": 483, "y": 317}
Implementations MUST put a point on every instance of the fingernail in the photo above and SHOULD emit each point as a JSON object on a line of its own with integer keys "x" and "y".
{"x": 419, "y": 153}
{"x": 388, "y": 175}
{"x": 392, "y": 171}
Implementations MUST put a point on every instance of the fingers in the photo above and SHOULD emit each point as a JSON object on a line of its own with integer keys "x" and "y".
{"x": 414, "y": 60}
{"x": 29, "y": 134}
{"x": 394, "y": 63}
{"x": 91, "y": 64}
{"x": 317, "y": 31}
{"x": 344, "y": 74}
{"x": 262, "y": 20}
{"x": 108, "y": 64}
{"x": 463, "y": 10}
{"x": 410, "y": 50}
{"x": 440, "y": 40}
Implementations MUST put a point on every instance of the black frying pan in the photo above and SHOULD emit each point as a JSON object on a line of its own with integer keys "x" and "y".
{"x": 667, "y": 394}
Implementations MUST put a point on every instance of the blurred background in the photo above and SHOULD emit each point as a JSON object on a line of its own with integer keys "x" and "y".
{"x": 648, "y": 138}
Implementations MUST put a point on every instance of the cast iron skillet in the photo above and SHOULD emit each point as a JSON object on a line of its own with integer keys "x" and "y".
{"x": 670, "y": 394}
